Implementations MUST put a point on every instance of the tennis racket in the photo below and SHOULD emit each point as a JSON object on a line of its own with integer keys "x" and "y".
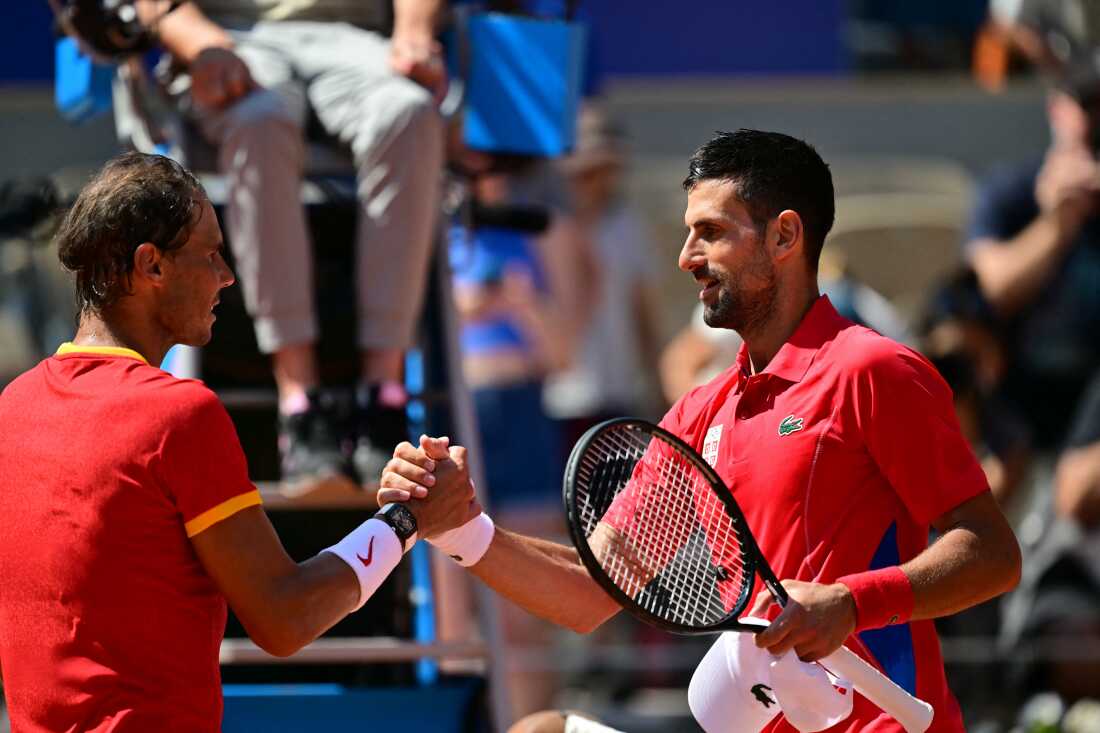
{"x": 661, "y": 533}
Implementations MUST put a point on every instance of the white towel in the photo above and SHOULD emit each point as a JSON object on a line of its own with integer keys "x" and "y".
{"x": 739, "y": 688}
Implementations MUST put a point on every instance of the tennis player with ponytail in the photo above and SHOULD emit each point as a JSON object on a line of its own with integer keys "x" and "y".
{"x": 840, "y": 447}
{"x": 128, "y": 516}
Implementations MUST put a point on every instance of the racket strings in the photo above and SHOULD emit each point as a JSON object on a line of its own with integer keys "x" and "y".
{"x": 674, "y": 549}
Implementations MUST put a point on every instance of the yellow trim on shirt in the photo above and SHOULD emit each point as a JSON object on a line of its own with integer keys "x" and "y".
{"x": 226, "y": 509}
{"x": 70, "y": 348}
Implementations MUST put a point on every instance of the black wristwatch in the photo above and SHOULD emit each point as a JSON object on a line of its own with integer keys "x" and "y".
{"x": 402, "y": 521}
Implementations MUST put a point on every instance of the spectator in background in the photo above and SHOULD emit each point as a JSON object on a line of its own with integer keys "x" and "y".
{"x": 253, "y": 66}
{"x": 613, "y": 373}
{"x": 522, "y": 275}
{"x": 1034, "y": 239}
{"x": 699, "y": 353}
{"x": 519, "y": 274}
{"x": 1034, "y": 244}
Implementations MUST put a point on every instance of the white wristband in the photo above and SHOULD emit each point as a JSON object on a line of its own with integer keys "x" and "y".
{"x": 467, "y": 544}
{"x": 372, "y": 550}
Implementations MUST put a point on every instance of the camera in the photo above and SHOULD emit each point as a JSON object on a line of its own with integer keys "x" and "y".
{"x": 109, "y": 29}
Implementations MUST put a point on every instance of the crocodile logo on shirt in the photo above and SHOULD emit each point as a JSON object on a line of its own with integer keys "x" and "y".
{"x": 790, "y": 424}
{"x": 762, "y": 697}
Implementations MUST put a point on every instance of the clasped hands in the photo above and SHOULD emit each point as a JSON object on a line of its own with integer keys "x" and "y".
{"x": 434, "y": 481}
{"x": 815, "y": 622}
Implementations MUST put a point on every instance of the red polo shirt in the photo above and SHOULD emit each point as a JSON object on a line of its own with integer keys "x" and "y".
{"x": 841, "y": 453}
{"x": 108, "y": 621}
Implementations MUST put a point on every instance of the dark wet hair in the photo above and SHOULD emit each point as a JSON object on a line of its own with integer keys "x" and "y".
{"x": 135, "y": 198}
{"x": 772, "y": 172}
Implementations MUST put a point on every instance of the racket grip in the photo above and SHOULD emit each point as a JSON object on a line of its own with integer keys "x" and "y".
{"x": 914, "y": 714}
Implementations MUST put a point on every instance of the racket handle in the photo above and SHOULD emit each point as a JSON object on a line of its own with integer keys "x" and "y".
{"x": 914, "y": 714}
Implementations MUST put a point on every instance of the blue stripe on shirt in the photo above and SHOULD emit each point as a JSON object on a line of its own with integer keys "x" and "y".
{"x": 892, "y": 646}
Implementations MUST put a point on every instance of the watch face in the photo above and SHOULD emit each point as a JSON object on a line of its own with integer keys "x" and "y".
{"x": 402, "y": 520}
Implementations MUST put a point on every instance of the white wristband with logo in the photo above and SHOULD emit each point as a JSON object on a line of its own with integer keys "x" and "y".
{"x": 372, "y": 550}
{"x": 467, "y": 544}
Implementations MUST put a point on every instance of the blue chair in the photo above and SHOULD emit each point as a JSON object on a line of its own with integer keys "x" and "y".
{"x": 522, "y": 82}
{"x": 82, "y": 87}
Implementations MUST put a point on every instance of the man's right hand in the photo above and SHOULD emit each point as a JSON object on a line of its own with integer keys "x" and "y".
{"x": 1068, "y": 188}
{"x": 219, "y": 77}
{"x": 410, "y": 474}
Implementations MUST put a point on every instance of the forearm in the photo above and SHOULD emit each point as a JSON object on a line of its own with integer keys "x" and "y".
{"x": 555, "y": 347}
{"x": 283, "y": 604}
{"x": 975, "y": 559}
{"x": 963, "y": 568}
{"x": 546, "y": 579}
{"x": 186, "y": 31}
{"x": 1013, "y": 273}
{"x": 416, "y": 18}
{"x": 306, "y": 603}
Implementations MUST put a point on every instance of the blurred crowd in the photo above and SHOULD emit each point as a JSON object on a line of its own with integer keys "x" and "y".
{"x": 556, "y": 285}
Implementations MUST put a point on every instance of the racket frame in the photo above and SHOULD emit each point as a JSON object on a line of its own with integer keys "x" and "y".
{"x": 914, "y": 714}
{"x": 754, "y": 563}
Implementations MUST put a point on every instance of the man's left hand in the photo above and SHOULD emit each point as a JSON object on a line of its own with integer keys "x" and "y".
{"x": 815, "y": 622}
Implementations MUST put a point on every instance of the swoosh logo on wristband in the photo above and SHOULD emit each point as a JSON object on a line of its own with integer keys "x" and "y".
{"x": 370, "y": 554}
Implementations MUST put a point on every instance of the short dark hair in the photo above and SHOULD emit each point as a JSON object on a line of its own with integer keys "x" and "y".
{"x": 135, "y": 198}
{"x": 772, "y": 172}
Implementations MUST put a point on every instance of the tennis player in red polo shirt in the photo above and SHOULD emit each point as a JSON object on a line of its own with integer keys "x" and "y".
{"x": 841, "y": 446}
{"x": 127, "y": 518}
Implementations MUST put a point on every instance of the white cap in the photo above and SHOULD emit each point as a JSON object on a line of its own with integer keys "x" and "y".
{"x": 731, "y": 688}
{"x": 811, "y": 700}
{"x": 740, "y": 688}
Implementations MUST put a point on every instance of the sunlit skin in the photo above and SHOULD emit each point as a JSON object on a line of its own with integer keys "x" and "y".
{"x": 724, "y": 252}
{"x": 755, "y": 278}
{"x": 172, "y": 295}
{"x": 193, "y": 277}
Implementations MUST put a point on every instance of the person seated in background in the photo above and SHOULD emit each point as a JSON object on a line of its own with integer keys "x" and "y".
{"x": 1034, "y": 245}
{"x": 1034, "y": 242}
{"x": 614, "y": 368}
{"x": 698, "y": 353}
{"x": 253, "y": 67}
{"x": 521, "y": 274}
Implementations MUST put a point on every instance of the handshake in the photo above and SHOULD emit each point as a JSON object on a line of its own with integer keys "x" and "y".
{"x": 433, "y": 481}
